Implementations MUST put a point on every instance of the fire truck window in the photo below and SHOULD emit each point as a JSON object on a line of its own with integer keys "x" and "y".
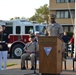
{"x": 9, "y": 23}
{"x": 29, "y": 29}
{"x": 41, "y": 29}
{"x": 18, "y": 29}
{"x": 10, "y": 29}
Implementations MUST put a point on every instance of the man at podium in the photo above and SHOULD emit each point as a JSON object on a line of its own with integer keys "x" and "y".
{"x": 54, "y": 29}
{"x": 50, "y": 53}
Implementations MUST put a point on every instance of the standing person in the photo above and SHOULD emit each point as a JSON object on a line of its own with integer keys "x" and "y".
{"x": 65, "y": 39}
{"x": 72, "y": 42}
{"x": 3, "y": 46}
{"x": 54, "y": 29}
{"x": 30, "y": 49}
{"x": 36, "y": 35}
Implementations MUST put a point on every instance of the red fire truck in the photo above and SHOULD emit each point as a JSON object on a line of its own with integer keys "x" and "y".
{"x": 19, "y": 35}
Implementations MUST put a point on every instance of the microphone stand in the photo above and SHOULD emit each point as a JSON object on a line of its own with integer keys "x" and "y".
{"x": 35, "y": 63}
{"x": 35, "y": 59}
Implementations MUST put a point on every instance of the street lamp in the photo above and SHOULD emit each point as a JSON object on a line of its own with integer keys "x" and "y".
{"x": 75, "y": 33}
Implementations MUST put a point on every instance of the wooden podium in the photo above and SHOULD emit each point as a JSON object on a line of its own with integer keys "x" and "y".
{"x": 50, "y": 55}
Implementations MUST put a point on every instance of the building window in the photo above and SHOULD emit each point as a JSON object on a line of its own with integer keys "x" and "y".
{"x": 58, "y": 14}
{"x": 71, "y": 29}
{"x": 62, "y": 14}
{"x": 71, "y": 0}
{"x": 72, "y": 14}
{"x": 64, "y": 1}
{"x": 65, "y": 14}
{"x": 68, "y": 28}
{"x": 65, "y": 28}
{"x": 58, "y": 1}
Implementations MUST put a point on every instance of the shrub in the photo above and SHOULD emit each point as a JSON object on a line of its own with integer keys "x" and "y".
{"x": 70, "y": 34}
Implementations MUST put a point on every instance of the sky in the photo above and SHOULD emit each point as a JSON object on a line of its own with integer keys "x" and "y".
{"x": 19, "y": 8}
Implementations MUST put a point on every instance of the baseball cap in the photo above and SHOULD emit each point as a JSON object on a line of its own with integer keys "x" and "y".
{"x": 2, "y": 24}
{"x": 52, "y": 15}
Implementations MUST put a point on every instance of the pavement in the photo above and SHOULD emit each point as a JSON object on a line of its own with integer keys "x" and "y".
{"x": 15, "y": 70}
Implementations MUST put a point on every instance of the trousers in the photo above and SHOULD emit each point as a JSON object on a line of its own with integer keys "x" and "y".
{"x": 3, "y": 55}
{"x": 25, "y": 56}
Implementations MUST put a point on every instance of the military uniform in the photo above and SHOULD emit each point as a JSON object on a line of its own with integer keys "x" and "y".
{"x": 3, "y": 47}
{"x": 55, "y": 29}
{"x": 29, "y": 49}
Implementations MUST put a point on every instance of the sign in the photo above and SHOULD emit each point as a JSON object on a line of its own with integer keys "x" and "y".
{"x": 47, "y": 50}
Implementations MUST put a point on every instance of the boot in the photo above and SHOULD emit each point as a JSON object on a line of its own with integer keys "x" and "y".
{"x": 32, "y": 68}
{"x": 23, "y": 68}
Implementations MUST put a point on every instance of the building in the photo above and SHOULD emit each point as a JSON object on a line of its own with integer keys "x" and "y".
{"x": 65, "y": 12}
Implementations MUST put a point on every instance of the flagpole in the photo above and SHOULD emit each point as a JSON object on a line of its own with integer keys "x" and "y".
{"x": 75, "y": 33}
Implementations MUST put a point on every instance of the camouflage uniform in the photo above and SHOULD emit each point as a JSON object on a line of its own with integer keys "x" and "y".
{"x": 55, "y": 29}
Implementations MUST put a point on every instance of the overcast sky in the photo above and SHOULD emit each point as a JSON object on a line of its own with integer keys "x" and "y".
{"x": 21, "y": 8}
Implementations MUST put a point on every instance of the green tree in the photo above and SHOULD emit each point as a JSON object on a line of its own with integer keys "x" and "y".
{"x": 33, "y": 18}
{"x": 11, "y": 18}
{"x": 14, "y": 18}
{"x": 17, "y": 17}
{"x": 41, "y": 14}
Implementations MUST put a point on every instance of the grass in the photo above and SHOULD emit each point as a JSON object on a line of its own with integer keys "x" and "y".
{"x": 9, "y": 64}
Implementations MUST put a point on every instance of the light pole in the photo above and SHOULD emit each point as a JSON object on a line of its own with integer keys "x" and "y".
{"x": 75, "y": 33}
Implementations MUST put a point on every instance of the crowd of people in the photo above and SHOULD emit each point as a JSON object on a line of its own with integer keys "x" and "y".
{"x": 32, "y": 47}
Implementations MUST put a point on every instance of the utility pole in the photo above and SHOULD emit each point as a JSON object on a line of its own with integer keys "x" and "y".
{"x": 75, "y": 33}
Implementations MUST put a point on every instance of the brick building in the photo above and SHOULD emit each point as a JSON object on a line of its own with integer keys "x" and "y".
{"x": 65, "y": 12}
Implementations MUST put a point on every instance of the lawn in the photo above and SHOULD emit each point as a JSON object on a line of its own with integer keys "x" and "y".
{"x": 9, "y": 64}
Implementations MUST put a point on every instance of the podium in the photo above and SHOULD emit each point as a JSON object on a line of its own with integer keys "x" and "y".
{"x": 50, "y": 55}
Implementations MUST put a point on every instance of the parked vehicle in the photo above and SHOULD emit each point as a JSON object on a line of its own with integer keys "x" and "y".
{"x": 19, "y": 35}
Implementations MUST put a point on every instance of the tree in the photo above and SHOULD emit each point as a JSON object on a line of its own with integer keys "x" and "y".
{"x": 33, "y": 18}
{"x": 11, "y": 18}
{"x": 41, "y": 14}
{"x": 17, "y": 18}
{"x": 14, "y": 18}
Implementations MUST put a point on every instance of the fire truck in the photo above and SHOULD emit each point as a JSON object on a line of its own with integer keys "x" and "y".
{"x": 19, "y": 31}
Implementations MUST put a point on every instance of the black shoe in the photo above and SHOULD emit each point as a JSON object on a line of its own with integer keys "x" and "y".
{"x": 23, "y": 68}
{"x": 32, "y": 68}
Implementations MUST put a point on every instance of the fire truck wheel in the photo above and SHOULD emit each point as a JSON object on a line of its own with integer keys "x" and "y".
{"x": 17, "y": 50}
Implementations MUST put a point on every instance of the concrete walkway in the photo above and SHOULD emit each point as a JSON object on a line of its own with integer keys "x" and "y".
{"x": 15, "y": 70}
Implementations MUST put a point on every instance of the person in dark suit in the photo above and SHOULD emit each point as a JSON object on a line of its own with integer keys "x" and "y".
{"x": 4, "y": 39}
{"x": 65, "y": 39}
